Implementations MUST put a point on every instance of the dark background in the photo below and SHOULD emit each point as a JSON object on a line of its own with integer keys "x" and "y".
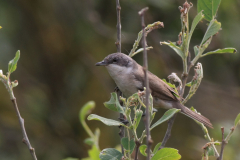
{"x": 60, "y": 42}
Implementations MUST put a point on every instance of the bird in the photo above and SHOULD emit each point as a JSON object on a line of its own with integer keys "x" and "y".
{"x": 129, "y": 78}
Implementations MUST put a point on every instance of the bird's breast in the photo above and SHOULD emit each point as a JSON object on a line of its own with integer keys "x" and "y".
{"x": 124, "y": 79}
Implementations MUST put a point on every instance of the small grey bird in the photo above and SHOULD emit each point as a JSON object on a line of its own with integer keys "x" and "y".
{"x": 129, "y": 77}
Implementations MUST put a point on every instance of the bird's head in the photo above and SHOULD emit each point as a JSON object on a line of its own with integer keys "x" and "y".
{"x": 117, "y": 63}
{"x": 119, "y": 59}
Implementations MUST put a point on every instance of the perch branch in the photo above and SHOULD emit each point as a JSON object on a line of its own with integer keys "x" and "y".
{"x": 118, "y": 43}
{"x": 223, "y": 145}
{"x": 145, "y": 68}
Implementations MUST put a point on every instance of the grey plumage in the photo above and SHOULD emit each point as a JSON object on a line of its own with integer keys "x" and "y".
{"x": 129, "y": 77}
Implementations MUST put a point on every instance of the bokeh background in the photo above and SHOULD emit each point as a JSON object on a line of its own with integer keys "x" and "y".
{"x": 60, "y": 42}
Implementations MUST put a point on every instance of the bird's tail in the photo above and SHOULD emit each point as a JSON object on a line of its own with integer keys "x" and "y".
{"x": 194, "y": 115}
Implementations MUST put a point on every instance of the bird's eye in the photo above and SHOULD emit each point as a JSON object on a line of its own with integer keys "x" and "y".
{"x": 114, "y": 60}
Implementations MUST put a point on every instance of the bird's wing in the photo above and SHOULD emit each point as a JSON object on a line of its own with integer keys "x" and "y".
{"x": 158, "y": 87}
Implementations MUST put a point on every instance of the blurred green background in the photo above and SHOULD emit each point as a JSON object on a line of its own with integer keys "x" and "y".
{"x": 60, "y": 42}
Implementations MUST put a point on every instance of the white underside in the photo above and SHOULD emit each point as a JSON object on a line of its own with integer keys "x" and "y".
{"x": 124, "y": 79}
{"x": 126, "y": 82}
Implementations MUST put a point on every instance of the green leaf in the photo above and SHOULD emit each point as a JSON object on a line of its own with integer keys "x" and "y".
{"x": 196, "y": 50}
{"x": 143, "y": 149}
{"x": 113, "y": 104}
{"x": 89, "y": 141}
{"x": 86, "y": 109}
{"x": 138, "y": 118}
{"x": 210, "y": 151}
{"x": 213, "y": 27}
{"x": 175, "y": 48}
{"x": 167, "y": 154}
{"x": 128, "y": 145}
{"x": 108, "y": 122}
{"x": 167, "y": 115}
{"x": 189, "y": 84}
{"x": 209, "y": 8}
{"x": 12, "y": 65}
{"x": 196, "y": 20}
{"x": 94, "y": 153}
{"x": 110, "y": 154}
{"x": 157, "y": 147}
{"x": 220, "y": 51}
{"x": 237, "y": 120}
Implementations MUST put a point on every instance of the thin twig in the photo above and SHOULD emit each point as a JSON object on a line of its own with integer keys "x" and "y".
{"x": 137, "y": 150}
{"x": 25, "y": 137}
{"x": 145, "y": 68}
{"x": 223, "y": 145}
{"x": 9, "y": 86}
{"x": 118, "y": 43}
{"x": 168, "y": 132}
{"x": 121, "y": 117}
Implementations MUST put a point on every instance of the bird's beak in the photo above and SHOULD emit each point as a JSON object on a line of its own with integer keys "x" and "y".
{"x": 102, "y": 63}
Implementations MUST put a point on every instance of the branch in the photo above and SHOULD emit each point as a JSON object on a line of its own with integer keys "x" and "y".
{"x": 9, "y": 86}
{"x": 25, "y": 137}
{"x": 223, "y": 145}
{"x": 121, "y": 118}
{"x": 118, "y": 43}
{"x": 137, "y": 150}
{"x": 147, "y": 30}
{"x": 145, "y": 68}
{"x": 168, "y": 132}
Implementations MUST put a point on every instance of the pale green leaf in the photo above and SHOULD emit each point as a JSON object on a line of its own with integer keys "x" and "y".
{"x": 94, "y": 153}
{"x": 113, "y": 104}
{"x": 209, "y": 8}
{"x": 106, "y": 121}
{"x": 175, "y": 48}
{"x": 89, "y": 141}
{"x": 213, "y": 27}
{"x": 210, "y": 151}
{"x": 143, "y": 149}
{"x": 86, "y": 109}
{"x": 167, "y": 115}
{"x": 237, "y": 120}
{"x": 110, "y": 154}
{"x": 157, "y": 147}
{"x": 196, "y": 20}
{"x": 128, "y": 145}
{"x": 12, "y": 65}
{"x": 196, "y": 50}
{"x": 138, "y": 118}
{"x": 167, "y": 154}
{"x": 220, "y": 51}
{"x": 189, "y": 84}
